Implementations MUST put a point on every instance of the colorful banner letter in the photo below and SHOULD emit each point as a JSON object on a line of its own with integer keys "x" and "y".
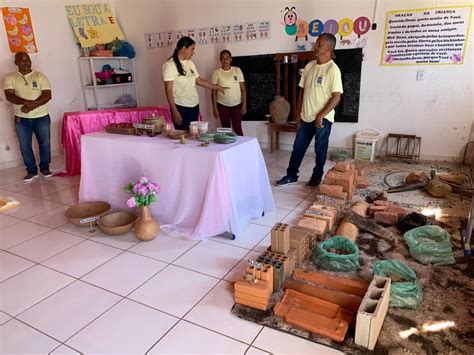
{"x": 19, "y": 29}
{"x": 93, "y": 24}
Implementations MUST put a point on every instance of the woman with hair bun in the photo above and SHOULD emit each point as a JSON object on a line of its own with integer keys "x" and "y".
{"x": 181, "y": 77}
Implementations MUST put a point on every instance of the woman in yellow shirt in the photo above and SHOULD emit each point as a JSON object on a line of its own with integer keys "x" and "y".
{"x": 181, "y": 77}
{"x": 232, "y": 105}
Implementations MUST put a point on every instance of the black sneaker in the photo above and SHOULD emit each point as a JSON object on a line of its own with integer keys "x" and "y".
{"x": 286, "y": 180}
{"x": 30, "y": 177}
{"x": 46, "y": 173}
{"x": 312, "y": 183}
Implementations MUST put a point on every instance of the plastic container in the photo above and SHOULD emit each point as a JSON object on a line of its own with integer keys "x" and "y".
{"x": 365, "y": 142}
{"x": 203, "y": 127}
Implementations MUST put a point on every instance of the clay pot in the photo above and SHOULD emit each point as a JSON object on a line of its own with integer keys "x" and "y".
{"x": 147, "y": 227}
{"x": 279, "y": 110}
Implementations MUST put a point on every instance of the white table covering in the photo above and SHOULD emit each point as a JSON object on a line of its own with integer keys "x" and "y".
{"x": 205, "y": 191}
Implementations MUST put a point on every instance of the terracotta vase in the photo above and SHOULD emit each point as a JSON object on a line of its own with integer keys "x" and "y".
{"x": 147, "y": 227}
{"x": 279, "y": 110}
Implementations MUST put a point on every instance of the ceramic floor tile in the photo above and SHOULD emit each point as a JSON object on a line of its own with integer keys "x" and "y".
{"x": 239, "y": 270}
{"x": 287, "y": 200}
{"x": 198, "y": 340}
{"x": 255, "y": 351}
{"x": 277, "y": 342}
{"x": 4, "y": 317}
{"x": 6, "y": 221}
{"x": 53, "y": 218}
{"x": 127, "y": 328}
{"x": 81, "y": 259}
{"x": 18, "y": 338}
{"x": 212, "y": 258}
{"x": 64, "y": 196}
{"x": 164, "y": 248}
{"x": 263, "y": 245}
{"x": 80, "y": 231}
{"x": 10, "y": 265}
{"x": 271, "y": 217}
{"x": 70, "y": 181}
{"x": 124, "y": 273}
{"x": 122, "y": 241}
{"x": 174, "y": 290}
{"x": 65, "y": 350}
{"x": 248, "y": 238}
{"x": 214, "y": 313}
{"x": 31, "y": 286}
{"x": 69, "y": 310}
{"x": 32, "y": 208}
{"x": 37, "y": 188}
{"x": 19, "y": 233}
{"x": 6, "y": 178}
{"x": 45, "y": 246}
{"x": 22, "y": 198}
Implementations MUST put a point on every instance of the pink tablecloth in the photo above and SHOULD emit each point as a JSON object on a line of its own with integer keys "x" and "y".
{"x": 75, "y": 124}
{"x": 205, "y": 191}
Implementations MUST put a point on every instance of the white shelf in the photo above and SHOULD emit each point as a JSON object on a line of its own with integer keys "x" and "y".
{"x": 97, "y": 96}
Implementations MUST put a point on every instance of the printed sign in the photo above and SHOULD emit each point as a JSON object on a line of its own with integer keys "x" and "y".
{"x": 226, "y": 33}
{"x": 264, "y": 29}
{"x": 224, "y": 130}
{"x": 19, "y": 30}
{"x": 256, "y": 264}
{"x": 203, "y": 36}
{"x": 143, "y": 126}
{"x": 93, "y": 24}
{"x": 313, "y": 212}
{"x": 89, "y": 220}
{"x": 149, "y": 41}
{"x": 426, "y": 36}
{"x": 214, "y": 34}
{"x": 250, "y": 31}
{"x": 238, "y": 32}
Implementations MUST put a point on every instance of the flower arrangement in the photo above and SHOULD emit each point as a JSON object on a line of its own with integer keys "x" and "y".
{"x": 143, "y": 192}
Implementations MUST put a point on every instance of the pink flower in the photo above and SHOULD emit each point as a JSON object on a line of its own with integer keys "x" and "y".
{"x": 131, "y": 202}
{"x": 154, "y": 187}
{"x": 144, "y": 191}
{"x": 144, "y": 180}
{"x": 137, "y": 188}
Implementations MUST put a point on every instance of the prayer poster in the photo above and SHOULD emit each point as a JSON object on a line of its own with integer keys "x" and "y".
{"x": 19, "y": 29}
{"x": 251, "y": 31}
{"x": 426, "y": 36}
{"x": 238, "y": 32}
{"x": 93, "y": 24}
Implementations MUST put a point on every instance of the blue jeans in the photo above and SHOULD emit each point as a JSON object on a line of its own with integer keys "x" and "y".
{"x": 304, "y": 135}
{"x": 24, "y": 131}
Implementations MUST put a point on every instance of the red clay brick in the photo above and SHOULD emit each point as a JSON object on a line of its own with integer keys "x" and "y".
{"x": 315, "y": 224}
{"x": 346, "y": 180}
{"x": 362, "y": 183}
{"x": 400, "y": 211}
{"x": 387, "y": 218}
{"x": 360, "y": 207}
{"x": 342, "y": 167}
{"x": 348, "y": 230}
{"x": 381, "y": 203}
{"x": 331, "y": 190}
{"x": 374, "y": 209}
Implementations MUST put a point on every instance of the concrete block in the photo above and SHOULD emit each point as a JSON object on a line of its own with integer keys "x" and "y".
{"x": 386, "y": 218}
{"x": 372, "y": 312}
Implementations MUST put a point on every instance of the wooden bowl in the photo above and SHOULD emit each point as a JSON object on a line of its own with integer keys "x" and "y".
{"x": 117, "y": 223}
{"x": 85, "y": 210}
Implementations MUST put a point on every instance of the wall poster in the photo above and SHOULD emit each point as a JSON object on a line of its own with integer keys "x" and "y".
{"x": 19, "y": 30}
{"x": 426, "y": 36}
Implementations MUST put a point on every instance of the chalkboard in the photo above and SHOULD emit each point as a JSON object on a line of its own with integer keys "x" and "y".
{"x": 260, "y": 81}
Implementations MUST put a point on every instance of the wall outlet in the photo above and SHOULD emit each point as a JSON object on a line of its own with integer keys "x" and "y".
{"x": 420, "y": 74}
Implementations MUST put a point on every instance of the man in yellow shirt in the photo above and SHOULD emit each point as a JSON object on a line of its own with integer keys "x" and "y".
{"x": 29, "y": 91}
{"x": 321, "y": 89}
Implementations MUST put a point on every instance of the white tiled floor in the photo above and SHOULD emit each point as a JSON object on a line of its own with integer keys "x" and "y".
{"x": 64, "y": 290}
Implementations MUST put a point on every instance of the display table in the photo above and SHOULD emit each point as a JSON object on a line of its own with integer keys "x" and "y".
{"x": 204, "y": 190}
{"x": 75, "y": 124}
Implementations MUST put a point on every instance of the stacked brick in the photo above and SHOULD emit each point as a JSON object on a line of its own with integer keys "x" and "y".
{"x": 255, "y": 288}
{"x": 281, "y": 267}
{"x": 386, "y": 213}
{"x": 342, "y": 180}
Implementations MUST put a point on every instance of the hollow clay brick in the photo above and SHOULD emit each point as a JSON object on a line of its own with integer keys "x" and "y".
{"x": 331, "y": 190}
{"x": 317, "y": 225}
{"x": 348, "y": 230}
{"x": 387, "y": 218}
{"x": 343, "y": 284}
{"x": 345, "y": 300}
{"x": 342, "y": 167}
{"x": 251, "y": 298}
{"x": 360, "y": 207}
{"x": 261, "y": 306}
{"x": 372, "y": 312}
{"x": 259, "y": 289}
{"x": 362, "y": 182}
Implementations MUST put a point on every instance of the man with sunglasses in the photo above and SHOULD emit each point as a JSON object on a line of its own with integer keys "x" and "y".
{"x": 29, "y": 91}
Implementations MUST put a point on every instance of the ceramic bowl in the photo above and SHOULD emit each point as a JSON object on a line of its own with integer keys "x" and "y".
{"x": 117, "y": 223}
{"x": 85, "y": 210}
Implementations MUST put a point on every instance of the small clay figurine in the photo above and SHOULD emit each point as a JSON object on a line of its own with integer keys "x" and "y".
{"x": 182, "y": 140}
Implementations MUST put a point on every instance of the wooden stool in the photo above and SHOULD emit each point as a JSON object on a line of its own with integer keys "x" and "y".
{"x": 274, "y": 130}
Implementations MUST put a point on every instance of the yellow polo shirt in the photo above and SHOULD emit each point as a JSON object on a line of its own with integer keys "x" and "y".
{"x": 229, "y": 78}
{"x": 319, "y": 82}
{"x": 184, "y": 86}
{"x": 27, "y": 87}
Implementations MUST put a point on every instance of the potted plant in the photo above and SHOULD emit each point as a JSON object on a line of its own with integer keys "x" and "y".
{"x": 143, "y": 195}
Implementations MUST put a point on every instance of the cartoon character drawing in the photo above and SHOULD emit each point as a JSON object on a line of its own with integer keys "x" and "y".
{"x": 289, "y": 20}
{"x": 345, "y": 42}
{"x": 26, "y": 30}
{"x": 93, "y": 33}
{"x": 82, "y": 33}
